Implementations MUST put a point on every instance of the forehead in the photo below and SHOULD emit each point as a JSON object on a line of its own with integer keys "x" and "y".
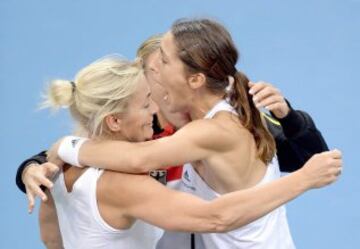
{"x": 141, "y": 93}
{"x": 152, "y": 58}
{"x": 142, "y": 90}
{"x": 167, "y": 45}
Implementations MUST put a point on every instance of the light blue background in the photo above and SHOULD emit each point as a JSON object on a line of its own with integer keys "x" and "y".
{"x": 309, "y": 49}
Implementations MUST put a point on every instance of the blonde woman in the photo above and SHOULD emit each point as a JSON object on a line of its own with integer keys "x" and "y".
{"x": 110, "y": 100}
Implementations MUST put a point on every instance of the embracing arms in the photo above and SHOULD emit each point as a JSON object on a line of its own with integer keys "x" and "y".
{"x": 144, "y": 198}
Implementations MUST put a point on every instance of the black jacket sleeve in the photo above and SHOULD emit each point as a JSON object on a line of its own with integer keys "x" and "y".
{"x": 38, "y": 158}
{"x": 297, "y": 139}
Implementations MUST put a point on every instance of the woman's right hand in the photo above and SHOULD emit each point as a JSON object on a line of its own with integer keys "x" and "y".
{"x": 33, "y": 177}
{"x": 322, "y": 169}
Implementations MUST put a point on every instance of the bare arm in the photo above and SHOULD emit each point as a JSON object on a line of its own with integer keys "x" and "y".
{"x": 144, "y": 198}
{"x": 49, "y": 225}
{"x": 196, "y": 141}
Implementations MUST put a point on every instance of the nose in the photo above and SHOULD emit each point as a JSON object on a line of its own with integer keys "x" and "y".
{"x": 154, "y": 68}
{"x": 155, "y": 62}
{"x": 154, "y": 107}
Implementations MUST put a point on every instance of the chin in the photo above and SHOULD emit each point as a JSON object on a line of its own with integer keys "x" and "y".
{"x": 149, "y": 135}
{"x": 176, "y": 109}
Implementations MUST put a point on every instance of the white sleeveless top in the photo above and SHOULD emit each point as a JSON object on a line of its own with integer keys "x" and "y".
{"x": 269, "y": 232}
{"x": 82, "y": 226}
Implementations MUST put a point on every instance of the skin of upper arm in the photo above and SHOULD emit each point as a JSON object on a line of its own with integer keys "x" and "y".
{"x": 196, "y": 141}
{"x": 49, "y": 225}
{"x": 142, "y": 197}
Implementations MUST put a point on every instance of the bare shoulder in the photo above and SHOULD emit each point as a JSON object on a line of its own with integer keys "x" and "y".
{"x": 231, "y": 126}
{"x": 122, "y": 189}
{"x": 208, "y": 133}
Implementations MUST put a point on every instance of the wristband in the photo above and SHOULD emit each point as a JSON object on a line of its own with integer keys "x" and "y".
{"x": 69, "y": 150}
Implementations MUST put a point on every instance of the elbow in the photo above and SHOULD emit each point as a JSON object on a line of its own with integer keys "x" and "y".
{"x": 53, "y": 245}
{"x": 225, "y": 222}
{"x": 222, "y": 223}
{"x": 139, "y": 165}
{"x": 51, "y": 242}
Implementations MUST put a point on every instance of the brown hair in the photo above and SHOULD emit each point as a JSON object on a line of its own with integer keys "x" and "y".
{"x": 206, "y": 46}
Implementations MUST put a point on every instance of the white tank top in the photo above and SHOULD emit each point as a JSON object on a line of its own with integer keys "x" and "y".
{"x": 82, "y": 226}
{"x": 269, "y": 232}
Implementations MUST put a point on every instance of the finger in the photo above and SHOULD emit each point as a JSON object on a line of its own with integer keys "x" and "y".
{"x": 337, "y": 163}
{"x": 263, "y": 93}
{"x": 336, "y": 153}
{"x": 251, "y": 84}
{"x": 31, "y": 201}
{"x": 273, "y": 107}
{"x": 52, "y": 168}
{"x": 38, "y": 192}
{"x": 332, "y": 154}
{"x": 336, "y": 171}
{"x": 270, "y": 101}
{"x": 339, "y": 172}
{"x": 45, "y": 181}
{"x": 257, "y": 87}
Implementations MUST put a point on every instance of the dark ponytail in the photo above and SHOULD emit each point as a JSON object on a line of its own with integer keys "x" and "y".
{"x": 250, "y": 117}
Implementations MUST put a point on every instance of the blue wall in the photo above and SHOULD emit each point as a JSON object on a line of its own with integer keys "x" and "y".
{"x": 309, "y": 49}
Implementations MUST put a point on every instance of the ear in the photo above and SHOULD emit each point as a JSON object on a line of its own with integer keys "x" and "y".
{"x": 197, "y": 80}
{"x": 113, "y": 122}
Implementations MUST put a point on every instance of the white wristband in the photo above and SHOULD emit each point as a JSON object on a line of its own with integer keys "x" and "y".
{"x": 69, "y": 150}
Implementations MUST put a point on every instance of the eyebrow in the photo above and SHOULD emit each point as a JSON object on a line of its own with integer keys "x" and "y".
{"x": 162, "y": 52}
{"x": 147, "y": 97}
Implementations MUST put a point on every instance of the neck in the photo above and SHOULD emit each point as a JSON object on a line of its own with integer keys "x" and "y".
{"x": 162, "y": 120}
{"x": 202, "y": 104}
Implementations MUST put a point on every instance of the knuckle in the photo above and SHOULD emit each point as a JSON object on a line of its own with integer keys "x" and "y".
{"x": 329, "y": 161}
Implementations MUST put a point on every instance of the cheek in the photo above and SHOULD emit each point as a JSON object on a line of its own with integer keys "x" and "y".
{"x": 143, "y": 125}
{"x": 157, "y": 93}
{"x": 145, "y": 131}
{"x": 134, "y": 123}
{"x": 165, "y": 74}
{"x": 176, "y": 87}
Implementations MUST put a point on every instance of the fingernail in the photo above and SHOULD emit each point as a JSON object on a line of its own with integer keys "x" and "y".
{"x": 251, "y": 91}
{"x": 255, "y": 99}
